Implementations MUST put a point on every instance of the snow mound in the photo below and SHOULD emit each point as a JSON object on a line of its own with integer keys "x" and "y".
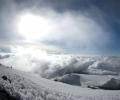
{"x": 70, "y": 79}
{"x": 112, "y": 84}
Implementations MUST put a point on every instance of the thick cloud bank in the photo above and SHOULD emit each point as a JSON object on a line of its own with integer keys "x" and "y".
{"x": 50, "y": 65}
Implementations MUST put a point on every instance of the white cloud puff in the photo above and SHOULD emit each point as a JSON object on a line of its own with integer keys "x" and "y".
{"x": 51, "y": 65}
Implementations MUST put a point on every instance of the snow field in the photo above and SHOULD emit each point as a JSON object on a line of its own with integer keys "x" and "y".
{"x": 25, "y": 89}
{"x": 30, "y": 87}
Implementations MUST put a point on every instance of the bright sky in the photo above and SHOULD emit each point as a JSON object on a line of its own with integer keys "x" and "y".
{"x": 61, "y": 26}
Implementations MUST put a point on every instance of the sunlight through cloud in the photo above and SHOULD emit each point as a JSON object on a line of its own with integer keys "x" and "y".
{"x": 32, "y": 26}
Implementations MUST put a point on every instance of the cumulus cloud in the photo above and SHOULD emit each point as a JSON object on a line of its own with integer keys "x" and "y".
{"x": 49, "y": 65}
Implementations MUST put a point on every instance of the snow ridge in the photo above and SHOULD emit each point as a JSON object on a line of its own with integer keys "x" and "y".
{"x": 112, "y": 84}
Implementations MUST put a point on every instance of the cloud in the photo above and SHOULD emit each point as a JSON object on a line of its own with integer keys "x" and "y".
{"x": 51, "y": 65}
{"x": 76, "y": 28}
{"x": 71, "y": 30}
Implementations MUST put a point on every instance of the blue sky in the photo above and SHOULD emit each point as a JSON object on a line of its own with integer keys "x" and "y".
{"x": 65, "y": 26}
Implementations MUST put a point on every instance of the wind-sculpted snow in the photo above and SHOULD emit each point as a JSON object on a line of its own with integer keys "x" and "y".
{"x": 69, "y": 79}
{"x": 112, "y": 84}
{"x": 49, "y": 65}
{"x": 25, "y": 89}
{"x": 26, "y": 86}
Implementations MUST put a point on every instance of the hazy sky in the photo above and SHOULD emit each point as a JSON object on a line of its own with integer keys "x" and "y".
{"x": 61, "y": 26}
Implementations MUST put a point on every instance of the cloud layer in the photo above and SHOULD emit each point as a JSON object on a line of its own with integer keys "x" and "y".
{"x": 76, "y": 30}
{"x": 49, "y": 65}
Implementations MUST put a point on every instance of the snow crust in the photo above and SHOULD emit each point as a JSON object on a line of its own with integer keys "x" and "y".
{"x": 70, "y": 79}
{"x": 112, "y": 83}
{"x": 26, "y": 86}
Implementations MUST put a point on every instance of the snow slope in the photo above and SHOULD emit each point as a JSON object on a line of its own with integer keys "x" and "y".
{"x": 112, "y": 84}
{"x": 26, "y": 86}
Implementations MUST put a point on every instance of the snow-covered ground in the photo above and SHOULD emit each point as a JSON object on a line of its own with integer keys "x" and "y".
{"x": 92, "y": 81}
{"x": 42, "y": 76}
{"x": 26, "y": 86}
